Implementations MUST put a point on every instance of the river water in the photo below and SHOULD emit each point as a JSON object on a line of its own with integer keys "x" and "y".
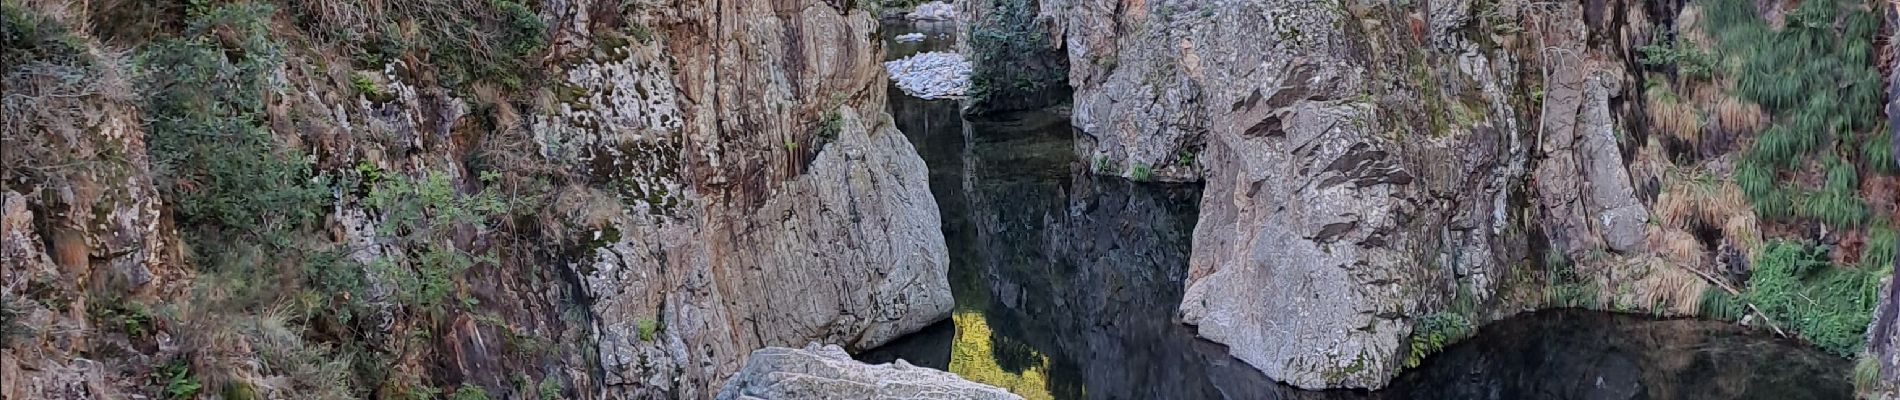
{"x": 1067, "y": 284}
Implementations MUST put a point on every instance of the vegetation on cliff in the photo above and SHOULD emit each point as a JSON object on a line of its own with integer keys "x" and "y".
{"x": 1797, "y": 109}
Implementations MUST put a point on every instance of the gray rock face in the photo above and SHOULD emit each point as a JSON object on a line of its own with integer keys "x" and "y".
{"x": 1358, "y": 161}
{"x": 1584, "y": 183}
{"x": 827, "y": 372}
{"x": 763, "y": 198}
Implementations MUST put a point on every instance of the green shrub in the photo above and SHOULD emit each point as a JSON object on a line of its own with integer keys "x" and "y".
{"x": 1883, "y": 245}
{"x": 469, "y": 392}
{"x": 216, "y": 162}
{"x": 647, "y": 328}
{"x": 1141, "y": 172}
{"x": 420, "y": 216}
{"x": 1718, "y": 304}
{"x": 176, "y": 381}
{"x": 551, "y": 388}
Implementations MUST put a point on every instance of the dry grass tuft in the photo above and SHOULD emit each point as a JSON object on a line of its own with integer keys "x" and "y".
{"x": 1732, "y": 118}
{"x": 1672, "y": 116}
{"x": 1678, "y": 247}
{"x": 1672, "y": 288}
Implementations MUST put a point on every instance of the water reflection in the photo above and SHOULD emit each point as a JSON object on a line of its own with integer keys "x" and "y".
{"x": 1569, "y": 354}
{"x": 1067, "y": 285}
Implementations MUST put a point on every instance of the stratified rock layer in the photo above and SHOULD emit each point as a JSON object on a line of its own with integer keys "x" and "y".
{"x": 763, "y": 196}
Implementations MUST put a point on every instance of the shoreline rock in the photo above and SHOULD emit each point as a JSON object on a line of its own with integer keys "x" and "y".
{"x": 931, "y": 75}
{"x": 828, "y": 372}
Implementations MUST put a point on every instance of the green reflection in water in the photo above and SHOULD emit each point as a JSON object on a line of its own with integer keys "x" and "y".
{"x": 980, "y": 356}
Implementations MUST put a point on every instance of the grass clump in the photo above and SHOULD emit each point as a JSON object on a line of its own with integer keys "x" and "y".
{"x": 1433, "y": 333}
{"x": 1828, "y": 305}
{"x": 1824, "y": 47}
{"x": 1141, "y": 172}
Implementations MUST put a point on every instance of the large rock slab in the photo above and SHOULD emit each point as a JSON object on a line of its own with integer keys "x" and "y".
{"x": 749, "y": 190}
{"x": 827, "y": 372}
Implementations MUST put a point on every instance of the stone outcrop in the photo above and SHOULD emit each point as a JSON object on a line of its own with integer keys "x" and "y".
{"x": 1334, "y": 216}
{"x": 766, "y": 199}
{"x": 827, "y": 372}
{"x": 717, "y": 177}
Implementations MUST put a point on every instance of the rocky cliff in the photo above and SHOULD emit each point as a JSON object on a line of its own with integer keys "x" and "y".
{"x": 383, "y": 199}
{"x": 1383, "y": 177}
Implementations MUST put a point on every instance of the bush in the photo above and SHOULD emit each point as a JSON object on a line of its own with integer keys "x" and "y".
{"x": 214, "y": 158}
{"x": 420, "y": 216}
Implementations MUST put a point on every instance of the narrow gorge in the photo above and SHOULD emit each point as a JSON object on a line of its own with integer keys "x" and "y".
{"x": 978, "y": 199}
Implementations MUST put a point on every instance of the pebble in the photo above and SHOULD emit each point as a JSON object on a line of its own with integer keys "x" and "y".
{"x": 911, "y": 37}
{"x": 932, "y": 75}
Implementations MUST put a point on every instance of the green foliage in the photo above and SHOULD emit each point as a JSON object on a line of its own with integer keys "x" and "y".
{"x": 469, "y": 392}
{"x": 1007, "y": 41}
{"x": 214, "y": 158}
{"x": 1825, "y": 304}
{"x": 1688, "y": 59}
{"x": 1433, "y": 332}
{"x": 551, "y": 388}
{"x": 1876, "y": 150}
{"x": 496, "y": 41}
{"x": 647, "y": 327}
{"x": 1883, "y": 245}
{"x": 176, "y": 381}
{"x": 31, "y": 38}
{"x": 1866, "y": 371}
{"x": 1838, "y": 202}
{"x": 1782, "y": 70}
{"x": 1140, "y": 172}
{"x": 1718, "y": 304}
{"x": 132, "y": 318}
{"x": 421, "y": 215}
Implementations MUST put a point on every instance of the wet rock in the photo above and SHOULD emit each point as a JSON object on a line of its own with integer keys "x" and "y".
{"x": 827, "y": 372}
{"x": 911, "y": 37}
{"x": 931, "y": 75}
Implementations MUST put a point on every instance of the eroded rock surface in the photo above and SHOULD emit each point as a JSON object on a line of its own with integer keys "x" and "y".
{"x": 1330, "y": 209}
{"x": 768, "y": 202}
{"x": 828, "y": 372}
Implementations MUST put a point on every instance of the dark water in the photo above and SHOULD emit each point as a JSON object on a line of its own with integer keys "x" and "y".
{"x": 1067, "y": 285}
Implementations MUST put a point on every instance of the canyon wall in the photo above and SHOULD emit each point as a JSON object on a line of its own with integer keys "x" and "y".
{"x": 580, "y": 199}
{"x": 1383, "y": 178}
